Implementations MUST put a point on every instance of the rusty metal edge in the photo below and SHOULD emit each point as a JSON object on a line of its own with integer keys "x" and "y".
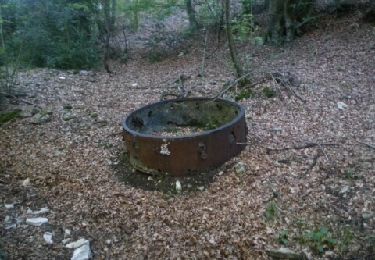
{"x": 208, "y": 132}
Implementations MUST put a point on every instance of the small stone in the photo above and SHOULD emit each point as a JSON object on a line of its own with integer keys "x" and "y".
{"x": 10, "y": 226}
{"x": 284, "y": 253}
{"x": 9, "y": 206}
{"x": 7, "y": 219}
{"x": 84, "y": 72}
{"x": 367, "y": 215}
{"x": 178, "y": 186}
{"x": 68, "y": 116}
{"x": 82, "y": 253}
{"x": 329, "y": 254}
{"x": 342, "y": 105}
{"x": 134, "y": 84}
{"x": 67, "y": 107}
{"x": 108, "y": 241}
{"x": 240, "y": 168}
{"x": 41, "y": 211}
{"x": 66, "y": 240}
{"x": 201, "y": 188}
{"x": 36, "y": 221}
{"x": 62, "y": 77}
{"x": 41, "y": 118}
{"x": 67, "y": 232}
{"x": 149, "y": 178}
{"x": 48, "y": 238}
{"x": 77, "y": 244}
{"x": 344, "y": 190}
{"x": 26, "y": 182}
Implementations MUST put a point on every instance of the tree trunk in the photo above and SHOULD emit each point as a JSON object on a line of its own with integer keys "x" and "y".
{"x": 107, "y": 24}
{"x": 232, "y": 48}
{"x": 191, "y": 15}
{"x": 286, "y": 16}
{"x": 113, "y": 15}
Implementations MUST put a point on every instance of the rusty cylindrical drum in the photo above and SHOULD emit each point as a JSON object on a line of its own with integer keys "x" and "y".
{"x": 157, "y": 142}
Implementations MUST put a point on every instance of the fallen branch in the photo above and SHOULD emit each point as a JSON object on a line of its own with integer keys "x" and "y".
{"x": 234, "y": 83}
{"x": 366, "y": 144}
{"x": 300, "y": 147}
{"x": 286, "y": 84}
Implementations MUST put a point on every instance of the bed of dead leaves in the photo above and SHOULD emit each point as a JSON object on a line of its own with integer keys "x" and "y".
{"x": 284, "y": 196}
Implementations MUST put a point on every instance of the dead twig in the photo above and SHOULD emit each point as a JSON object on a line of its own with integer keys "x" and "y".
{"x": 204, "y": 53}
{"x": 366, "y": 144}
{"x": 315, "y": 160}
{"x": 300, "y": 147}
{"x": 233, "y": 84}
{"x": 286, "y": 84}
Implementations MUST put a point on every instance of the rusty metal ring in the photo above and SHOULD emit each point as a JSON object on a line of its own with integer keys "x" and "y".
{"x": 187, "y": 154}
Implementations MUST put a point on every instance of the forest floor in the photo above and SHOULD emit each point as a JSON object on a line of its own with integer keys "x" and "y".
{"x": 309, "y": 183}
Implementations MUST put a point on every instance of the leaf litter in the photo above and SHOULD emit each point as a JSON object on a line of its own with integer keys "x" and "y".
{"x": 69, "y": 164}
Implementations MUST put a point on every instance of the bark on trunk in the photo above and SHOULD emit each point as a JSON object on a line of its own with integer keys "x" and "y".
{"x": 232, "y": 48}
{"x": 286, "y": 16}
{"x": 191, "y": 15}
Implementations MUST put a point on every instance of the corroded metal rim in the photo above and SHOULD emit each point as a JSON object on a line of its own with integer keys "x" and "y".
{"x": 188, "y": 154}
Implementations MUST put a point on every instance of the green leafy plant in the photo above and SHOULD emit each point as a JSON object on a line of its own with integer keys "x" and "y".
{"x": 8, "y": 116}
{"x": 283, "y": 237}
{"x": 244, "y": 94}
{"x": 243, "y": 27}
{"x": 272, "y": 211}
{"x": 346, "y": 238}
{"x": 269, "y": 92}
{"x": 319, "y": 240}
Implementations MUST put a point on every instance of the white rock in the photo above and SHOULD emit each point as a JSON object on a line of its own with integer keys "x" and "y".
{"x": 78, "y": 243}
{"x": 9, "y": 206}
{"x": 178, "y": 186}
{"x": 240, "y": 168}
{"x": 48, "y": 238}
{"x": 344, "y": 189}
{"x": 66, "y": 240}
{"x": 41, "y": 211}
{"x": 26, "y": 182}
{"x": 10, "y": 226}
{"x": 134, "y": 84}
{"x": 67, "y": 232}
{"x": 342, "y": 105}
{"x": 36, "y": 221}
{"x": 7, "y": 219}
{"x": 62, "y": 77}
{"x": 82, "y": 253}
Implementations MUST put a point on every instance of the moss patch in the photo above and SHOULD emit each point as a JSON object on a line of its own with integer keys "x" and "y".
{"x": 8, "y": 116}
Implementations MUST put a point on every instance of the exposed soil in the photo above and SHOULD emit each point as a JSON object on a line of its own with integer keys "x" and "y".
{"x": 309, "y": 162}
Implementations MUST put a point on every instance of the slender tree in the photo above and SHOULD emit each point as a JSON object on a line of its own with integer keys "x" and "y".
{"x": 191, "y": 14}
{"x": 232, "y": 47}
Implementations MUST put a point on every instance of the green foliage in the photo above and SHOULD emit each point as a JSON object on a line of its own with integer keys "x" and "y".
{"x": 346, "y": 238}
{"x": 8, "y": 116}
{"x": 319, "y": 240}
{"x": 58, "y": 33}
{"x": 272, "y": 211}
{"x": 245, "y": 93}
{"x": 210, "y": 13}
{"x": 243, "y": 27}
{"x": 283, "y": 237}
{"x": 269, "y": 92}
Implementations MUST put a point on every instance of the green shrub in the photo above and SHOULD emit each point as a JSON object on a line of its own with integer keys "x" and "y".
{"x": 319, "y": 240}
